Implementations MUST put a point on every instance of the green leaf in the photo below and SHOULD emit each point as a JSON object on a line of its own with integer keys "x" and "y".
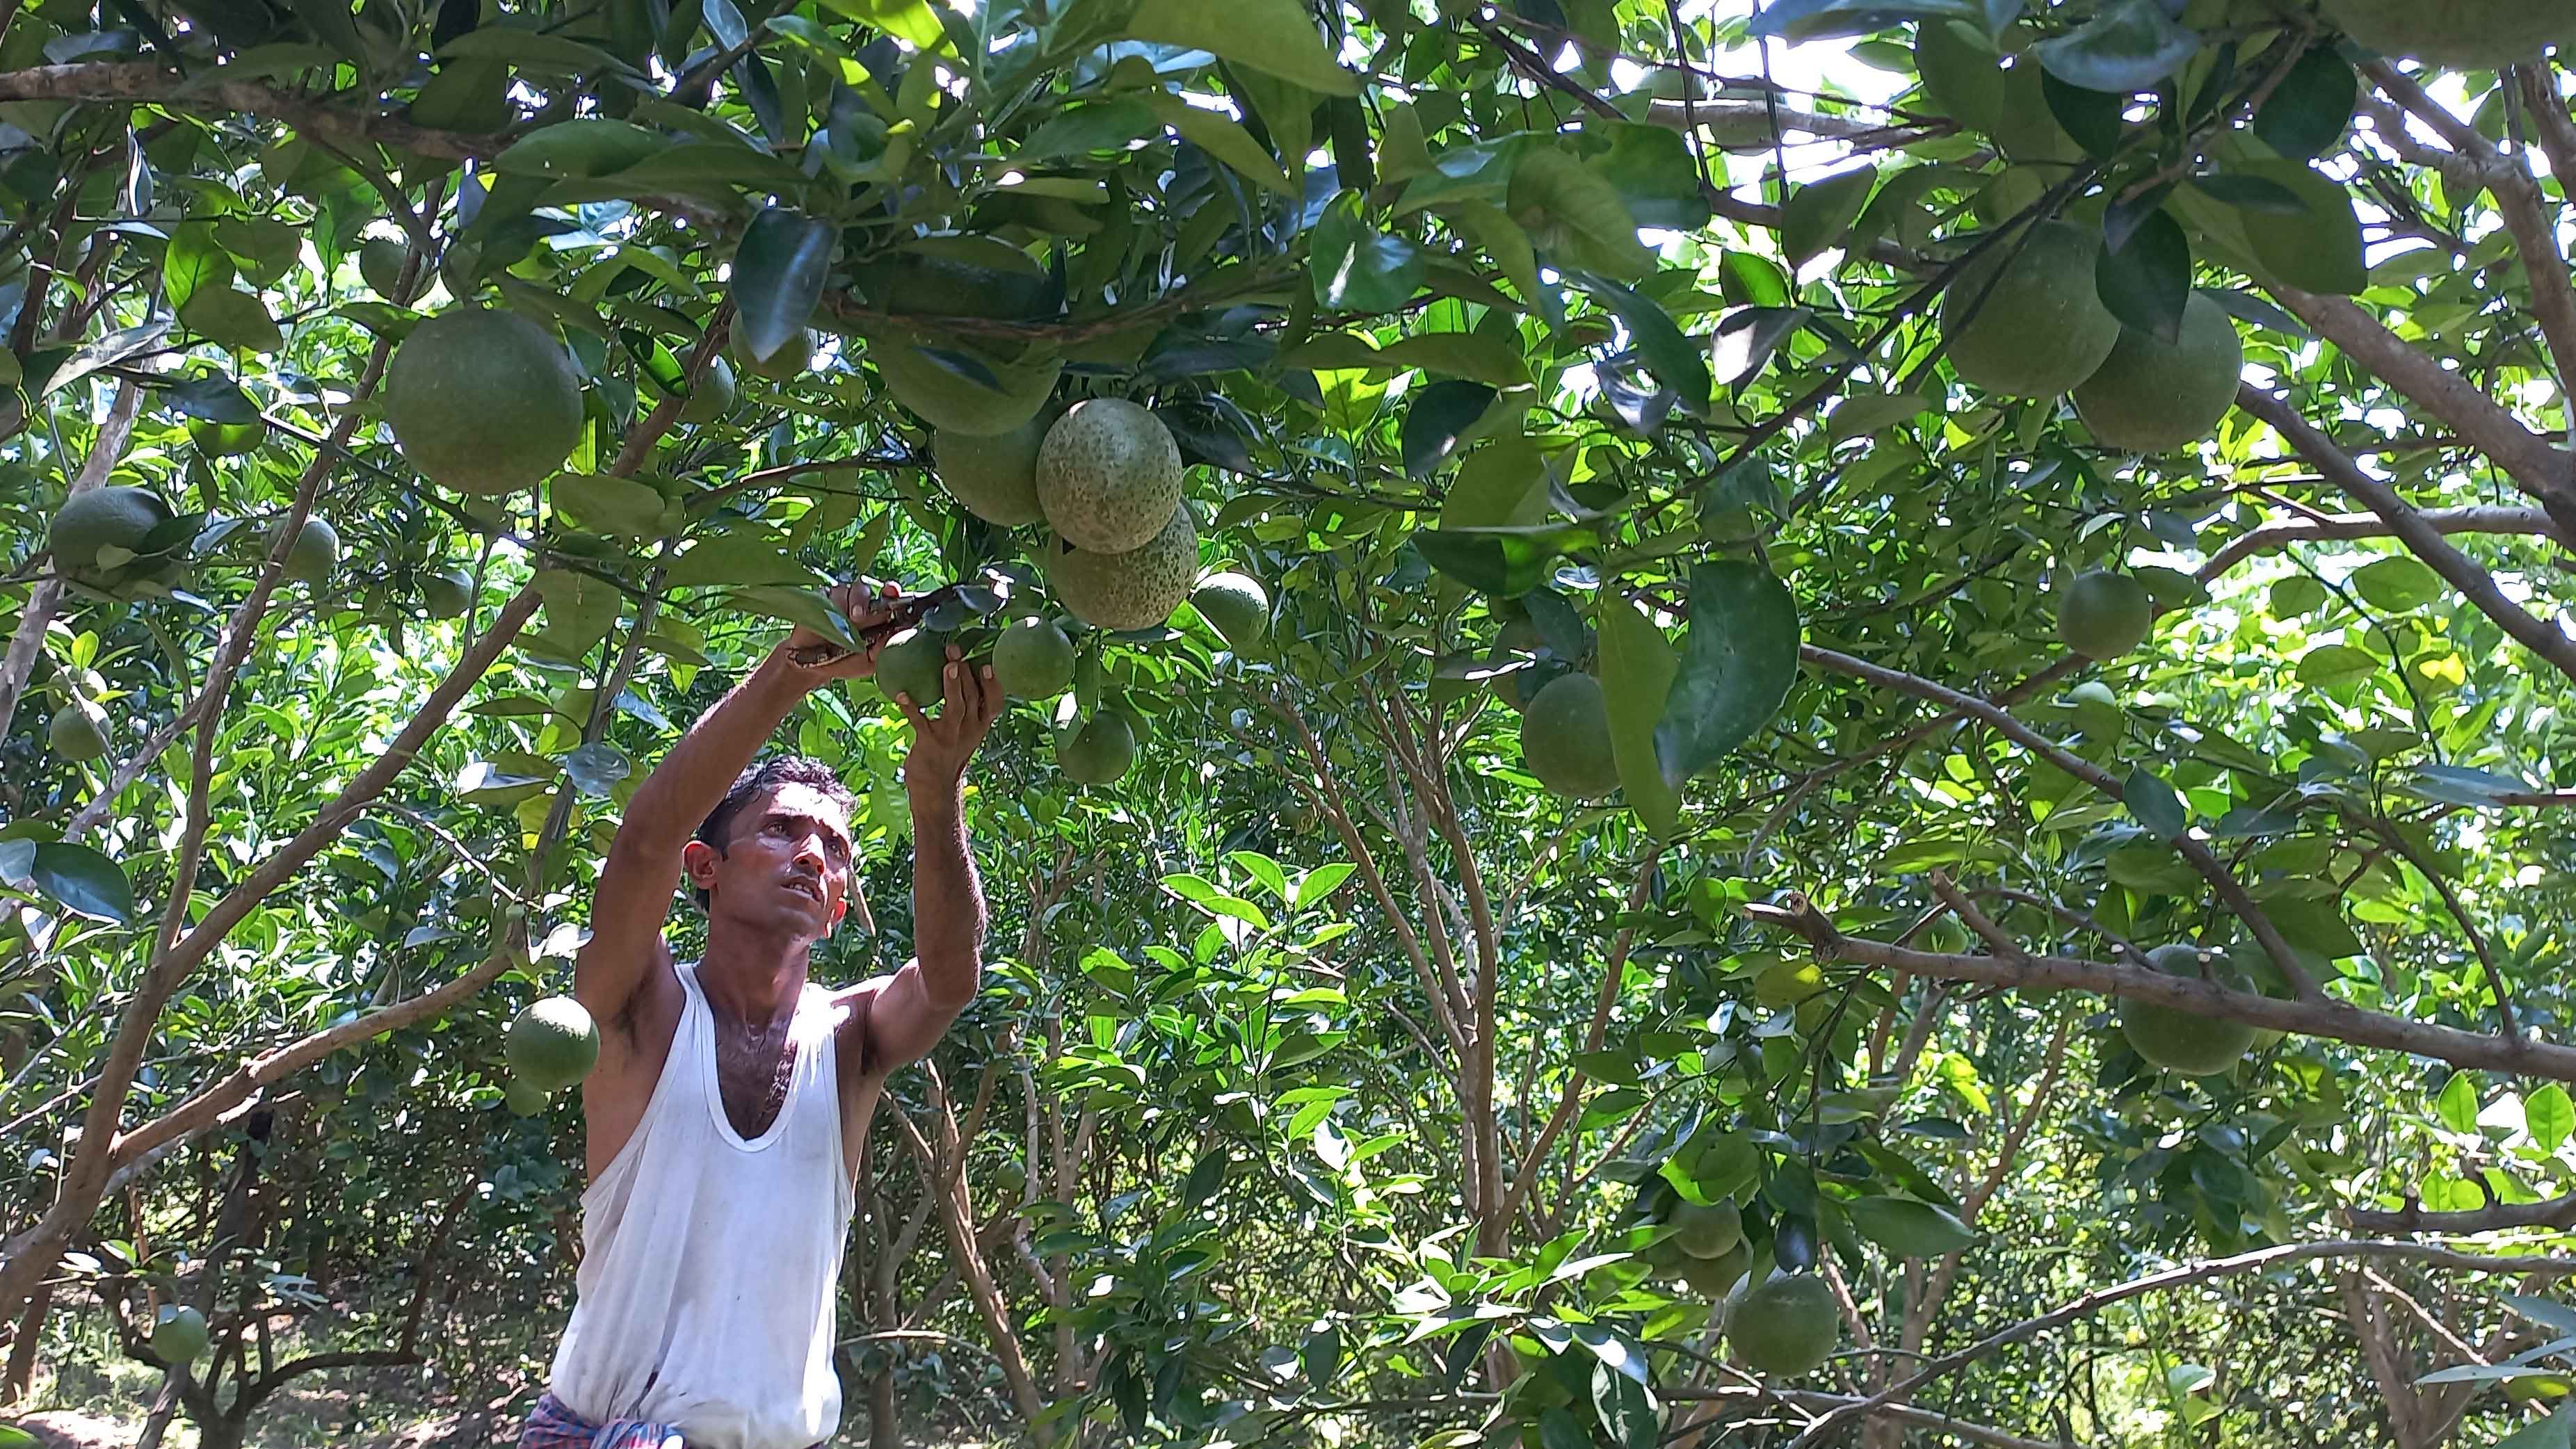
{"x": 193, "y": 261}
{"x": 2461, "y": 785}
{"x": 1654, "y": 173}
{"x": 1637, "y": 669}
{"x": 2146, "y": 281}
{"x": 2398, "y": 584}
{"x": 1317, "y": 885}
{"x": 1435, "y": 420}
{"x": 591, "y": 146}
{"x": 1491, "y": 227}
{"x": 2308, "y": 112}
{"x": 2155, "y": 804}
{"x": 2549, "y": 1117}
{"x": 777, "y": 276}
{"x": 1557, "y": 1429}
{"x": 1814, "y": 19}
{"x": 1747, "y": 336}
{"x": 82, "y": 881}
{"x": 2329, "y": 665}
{"x": 2318, "y": 250}
{"x": 2457, "y": 1106}
{"x": 1111, "y": 125}
{"x": 1505, "y": 562}
{"x": 1739, "y": 657}
{"x": 1627, "y": 1412}
{"x": 611, "y": 504}
{"x": 2314, "y": 924}
{"x": 2557, "y": 1431}
{"x": 214, "y": 397}
{"x": 1276, "y": 37}
{"x": 2295, "y": 597}
{"x": 1816, "y": 217}
{"x": 1677, "y": 362}
{"x": 2129, "y": 46}
{"x": 1222, "y": 137}
{"x": 1356, "y": 267}
{"x": 232, "y": 317}
{"x": 809, "y": 607}
{"x": 1907, "y": 1228}
{"x": 534, "y": 50}
{"x": 597, "y": 768}
{"x": 911, "y": 21}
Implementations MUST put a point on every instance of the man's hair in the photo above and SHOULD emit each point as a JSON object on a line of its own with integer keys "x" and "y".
{"x": 758, "y": 779}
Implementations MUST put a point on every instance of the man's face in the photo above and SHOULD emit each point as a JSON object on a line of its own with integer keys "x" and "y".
{"x": 785, "y": 869}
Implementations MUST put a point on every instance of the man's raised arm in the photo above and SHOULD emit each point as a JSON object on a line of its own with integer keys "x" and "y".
{"x": 643, "y": 867}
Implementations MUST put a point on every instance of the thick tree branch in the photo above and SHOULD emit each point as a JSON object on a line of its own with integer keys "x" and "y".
{"x": 2420, "y": 537}
{"x": 2202, "y": 859}
{"x": 2338, "y": 526}
{"x": 2495, "y": 1217}
{"x": 2319, "y": 1018}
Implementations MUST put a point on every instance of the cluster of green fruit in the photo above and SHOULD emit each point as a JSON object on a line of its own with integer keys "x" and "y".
{"x": 551, "y": 1045}
{"x": 1783, "y": 1326}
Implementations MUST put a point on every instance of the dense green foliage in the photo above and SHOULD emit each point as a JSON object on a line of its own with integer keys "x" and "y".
{"x": 1694, "y": 742}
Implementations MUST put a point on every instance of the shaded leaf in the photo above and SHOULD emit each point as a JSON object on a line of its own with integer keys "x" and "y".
{"x": 1439, "y": 414}
{"x": 2129, "y": 46}
{"x": 1738, "y": 659}
{"x": 82, "y": 881}
{"x": 2146, "y": 282}
{"x": 1907, "y": 1228}
{"x": 1817, "y": 216}
{"x": 2155, "y": 804}
{"x": 1358, "y": 268}
{"x": 777, "y": 276}
{"x": 1276, "y": 37}
{"x": 2308, "y": 112}
{"x": 1637, "y": 669}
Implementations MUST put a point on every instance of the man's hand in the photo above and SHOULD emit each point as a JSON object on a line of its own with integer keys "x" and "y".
{"x": 942, "y": 744}
{"x": 865, "y": 603}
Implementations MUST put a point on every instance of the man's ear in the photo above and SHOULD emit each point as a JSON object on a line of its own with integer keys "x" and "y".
{"x": 698, "y": 863}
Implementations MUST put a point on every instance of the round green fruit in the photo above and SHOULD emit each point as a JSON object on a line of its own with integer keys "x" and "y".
{"x": 914, "y": 664}
{"x": 1706, "y": 1230}
{"x": 2150, "y": 396}
{"x": 2463, "y": 34}
{"x": 1109, "y": 476}
{"x": 1033, "y": 660}
{"x": 713, "y": 397}
{"x": 553, "y": 1044}
{"x": 1712, "y": 1277}
{"x": 792, "y": 360}
{"x": 483, "y": 402}
{"x": 945, "y": 398}
{"x": 2179, "y": 1041}
{"x": 1565, "y": 738}
{"x": 524, "y": 1100}
{"x": 1236, "y": 607}
{"x": 226, "y": 440}
{"x": 178, "y": 1335}
{"x": 2104, "y": 615}
{"x": 1100, "y": 752}
{"x": 446, "y": 595}
{"x": 102, "y": 518}
{"x": 1137, "y": 589}
{"x": 995, "y": 475}
{"x": 314, "y": 554}
{"x": 2024, "y": 318}
{"x": 74, "y": 733}
{"x": 1787, "y": 1326}
{"x": 380, "y": 264}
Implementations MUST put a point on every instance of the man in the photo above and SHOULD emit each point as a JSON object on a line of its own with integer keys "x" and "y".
{"x": 728, "y": 1114}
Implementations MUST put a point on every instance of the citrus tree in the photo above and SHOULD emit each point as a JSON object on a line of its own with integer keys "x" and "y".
{"x": 1713, "y": 744}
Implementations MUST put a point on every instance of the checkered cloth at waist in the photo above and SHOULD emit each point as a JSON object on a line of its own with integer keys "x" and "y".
{"x": 552, "y": 1426}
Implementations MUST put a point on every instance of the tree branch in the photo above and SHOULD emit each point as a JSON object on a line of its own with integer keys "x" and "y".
{"x": 2283, "y": 533}
{"x": 2495, "y": 1217}
{"x": 2421, "y": 538}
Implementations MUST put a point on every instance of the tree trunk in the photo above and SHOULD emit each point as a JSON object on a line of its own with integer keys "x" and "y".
{"x": 21, "y": 1374}
{"x": 157, "y": 1422}
{"x": 885, "y": 1431}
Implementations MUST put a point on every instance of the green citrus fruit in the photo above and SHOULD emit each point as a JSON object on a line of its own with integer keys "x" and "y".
{"x": 946, "y": 398}
{"x": 523, "y": 1099}
{"x": 226, "y": 440}
{"x": 1137, "y": 589}
{"x": 913, "y": 664}
{"x": 1712, "y": 1277}
{"x": 1706, "y": 1230}
{"x": 1098, "y": 753}
{"x": 712, "y": 398}
{"x": 75, "y": 734}
{"x": 315, "y": 552}
{"x": 446, "y": 595}
{"x": 380, "y": 264}
{"x": 482, "y": 401}
{"x": 102, "y": 518}
{"x": 2150, "y": 396}
{"x": 2181, "y": 1041}
{"x": 2024, "y": 318}
{"x": 178, "y": 1335}
{"x": 1565, "y": 738}
{"x": 2463, "y": 34}
{"x": 995, "y": 475}
{"x": 790, "y": 362}
{"x": 1786, "y": 1326}
{"x": 1236, "y": 607}
{"x": 2103, "y": 615}
{"x": 1109, "y": 476}
{"x": 553, "y": 1044}
{"x": 1033, "y": 660}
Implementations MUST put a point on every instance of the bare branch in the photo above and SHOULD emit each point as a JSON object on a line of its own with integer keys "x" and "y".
{"x": 2495, "y": 1217}
{"x": 2283, "y": 533}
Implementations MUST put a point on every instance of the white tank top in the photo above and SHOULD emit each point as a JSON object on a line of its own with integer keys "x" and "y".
{"x": 709, "y": 1263}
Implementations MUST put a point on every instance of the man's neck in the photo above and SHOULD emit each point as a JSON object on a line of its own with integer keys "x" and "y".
{"x": 753, "y": 978}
